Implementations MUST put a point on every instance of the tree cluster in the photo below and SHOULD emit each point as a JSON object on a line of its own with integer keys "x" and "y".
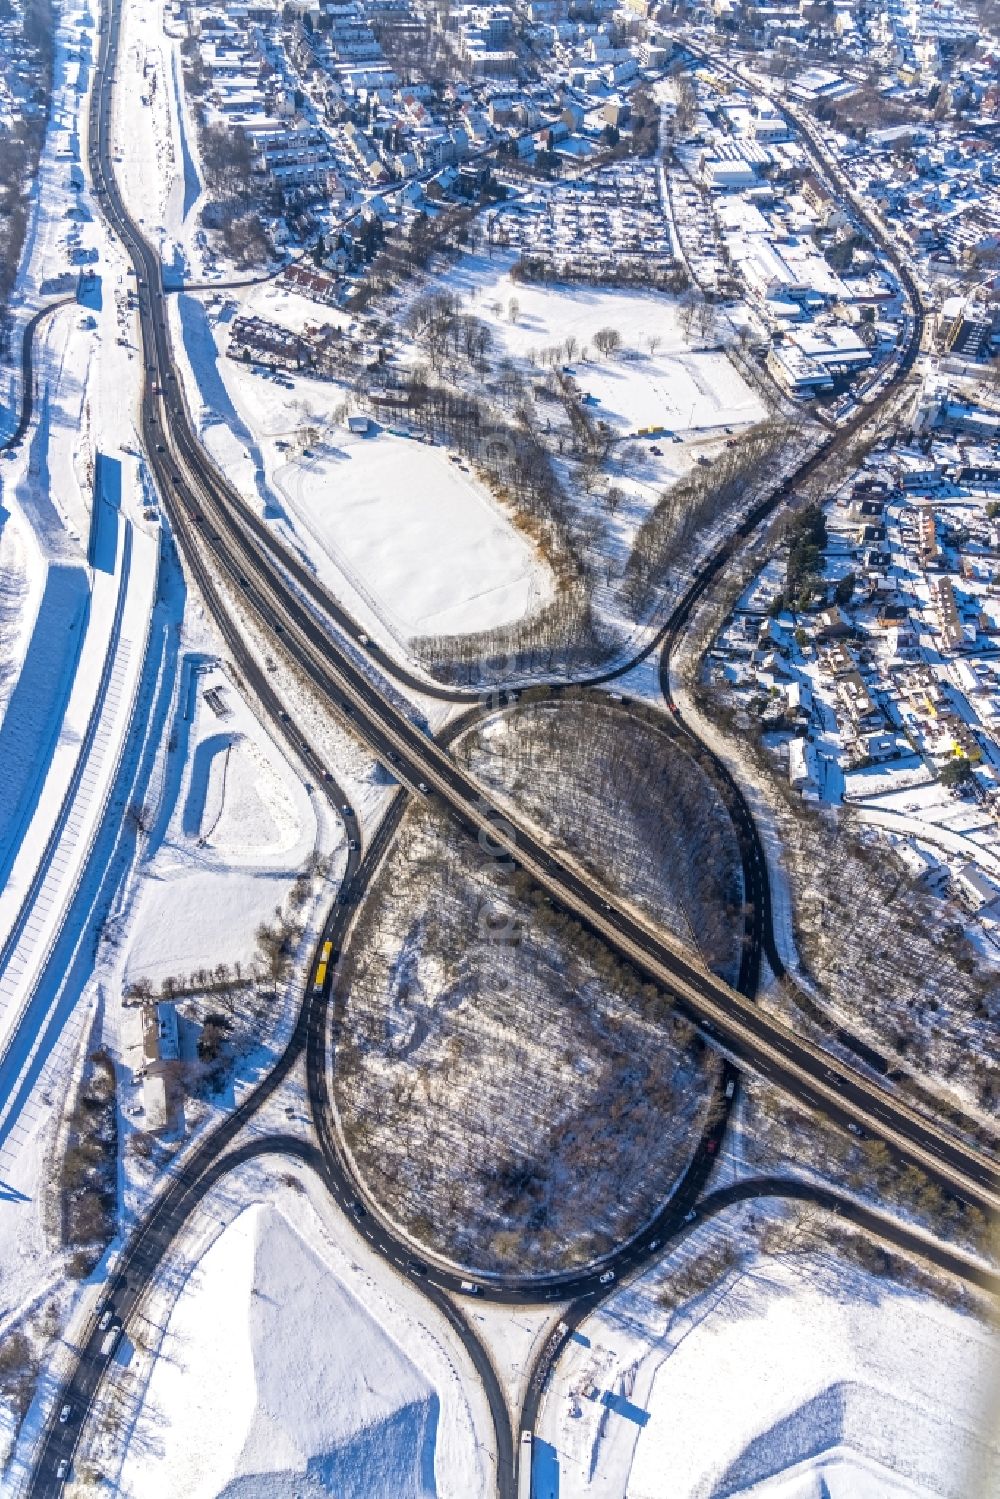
{"x": 806, "y": 541}
{"x": 89, "y": 1173}
{"x": 695, "y": 502}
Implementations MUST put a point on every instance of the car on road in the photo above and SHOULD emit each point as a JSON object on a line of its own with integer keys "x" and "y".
{"x": 422, "y": 787}
{"x": 469, "y": 1287}
{"x": 711, "y": 1147}
{"x": 353, "y": 843}
{"x": 105, "y": 1321}
{"x": 689, "y": 1217}
{"x": 855, "y": 1129}
{"x": 417, "y": 1267}
{"x": 65, "y": 1414}
{"x": 607, "y": 1277}
{"x": 63, "y": 1467}
{"x": 358, "y": 1208}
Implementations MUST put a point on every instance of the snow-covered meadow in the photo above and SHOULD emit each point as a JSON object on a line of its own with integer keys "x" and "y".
{"x": 793, "y": 1376}
{"x": 657, "y": 379}
{"x": 283, "y": 1358}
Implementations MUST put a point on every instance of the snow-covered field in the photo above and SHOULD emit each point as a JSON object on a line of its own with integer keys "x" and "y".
{"x": 290, "y": 1361}
{"x": 657, "y": 378}
{"x": 424, "y": 536}
{"x": 794, "y": 1376}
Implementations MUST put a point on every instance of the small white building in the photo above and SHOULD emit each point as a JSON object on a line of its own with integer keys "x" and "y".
{"x": 802, "y": 765}
{"x": 977, "y": 889}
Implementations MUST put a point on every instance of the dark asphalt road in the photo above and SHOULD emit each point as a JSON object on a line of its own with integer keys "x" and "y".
{"x": 27, "y": 368}
{"x": 247, "y": 555}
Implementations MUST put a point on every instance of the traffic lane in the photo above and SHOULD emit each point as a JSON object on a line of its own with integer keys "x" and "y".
{"x": 585, "y": 903}
{"x": 157, "y": 340}
{"x": 378, "y": 733}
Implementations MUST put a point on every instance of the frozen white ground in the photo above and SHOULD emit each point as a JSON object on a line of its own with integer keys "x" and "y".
{"x": 798, "y": 1377}
{"x": 154, "y": 137}
{"x": 294, "y": 1363}
{"x": 411, "y": 542}
{"x": 671, "y": 385}
{"x": 423, "y": 535}
{"x": 233, "y": 828}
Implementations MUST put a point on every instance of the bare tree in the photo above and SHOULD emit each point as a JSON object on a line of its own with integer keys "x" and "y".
{"x": 608, "y": 341}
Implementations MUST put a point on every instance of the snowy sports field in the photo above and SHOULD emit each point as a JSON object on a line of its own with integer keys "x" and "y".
{"x": 421, "y": 533}
{"x": 413, "y": 540}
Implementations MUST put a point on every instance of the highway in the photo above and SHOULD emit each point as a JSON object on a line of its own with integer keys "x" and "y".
{"x": 207, "y": 524}
{"x": 217, "y": 534}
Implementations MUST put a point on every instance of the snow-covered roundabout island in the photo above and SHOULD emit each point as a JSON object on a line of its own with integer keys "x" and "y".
{"x": 280, "y": 1359}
